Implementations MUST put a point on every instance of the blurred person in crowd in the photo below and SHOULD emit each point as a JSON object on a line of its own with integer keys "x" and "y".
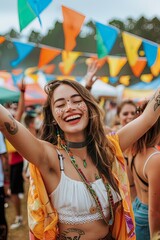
{"x": 30, "y": 123}
{"x": 126, "y": 112}
{"x": 16, "y": 163}
{"x": 4, "y": 180}
{"x": 145, "y": 168}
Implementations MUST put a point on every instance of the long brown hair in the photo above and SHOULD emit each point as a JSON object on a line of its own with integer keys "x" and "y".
{"x": 149, "y": 139}
{"x": 99, "y": 148}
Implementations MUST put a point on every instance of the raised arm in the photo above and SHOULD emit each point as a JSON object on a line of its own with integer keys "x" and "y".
{"x": 90, "y": 76}
{"x": 21, "y": 103}
{"x": 26, "y": 144}
{"x": 131, "y": 132}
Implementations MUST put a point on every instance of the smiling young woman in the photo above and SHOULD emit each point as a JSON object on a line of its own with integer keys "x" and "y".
{"x": 69, "y": 199}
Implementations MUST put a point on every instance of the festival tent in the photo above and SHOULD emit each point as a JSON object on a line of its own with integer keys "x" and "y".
{"x": 34, "y": 95}
{"x": 7, "y": 95}
{"x": 102, "y": 89}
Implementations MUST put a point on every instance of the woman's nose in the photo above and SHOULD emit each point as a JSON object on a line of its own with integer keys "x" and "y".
{"x": 69, "y": 105}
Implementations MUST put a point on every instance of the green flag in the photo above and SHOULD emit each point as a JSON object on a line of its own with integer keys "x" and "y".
{"x": 101, "y": 49}
{"x": 25, "y": 14}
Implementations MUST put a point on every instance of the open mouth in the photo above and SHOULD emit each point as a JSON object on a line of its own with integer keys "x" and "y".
{"x": 72, "y": 118}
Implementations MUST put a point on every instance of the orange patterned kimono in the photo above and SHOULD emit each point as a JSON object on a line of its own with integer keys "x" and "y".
{"x": 43, "y": 218}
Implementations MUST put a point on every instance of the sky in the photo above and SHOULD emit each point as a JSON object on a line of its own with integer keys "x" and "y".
{"x": 98, "y": 10}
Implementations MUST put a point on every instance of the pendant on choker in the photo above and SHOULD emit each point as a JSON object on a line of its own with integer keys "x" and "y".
{"x": 84, "y": 163}
{"x": 76, "y": 144}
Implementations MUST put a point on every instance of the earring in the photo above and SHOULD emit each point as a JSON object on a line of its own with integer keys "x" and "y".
{"x": 54, "y": 122}
{"x": 58, "y": 139}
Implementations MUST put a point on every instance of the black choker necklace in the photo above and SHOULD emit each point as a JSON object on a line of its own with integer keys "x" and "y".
{"x": 76, "y": 144}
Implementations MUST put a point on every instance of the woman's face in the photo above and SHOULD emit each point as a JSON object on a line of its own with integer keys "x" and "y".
{"x": 127, "y": 114}
{"x": 69, "y": 111}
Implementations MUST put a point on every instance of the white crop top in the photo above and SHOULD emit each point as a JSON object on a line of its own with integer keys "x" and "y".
{"x": 74, "y": 202}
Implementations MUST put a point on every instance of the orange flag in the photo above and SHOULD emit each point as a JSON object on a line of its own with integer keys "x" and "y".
{"x": 139, "y": 66}
{"x": 2, "y": 39}
{"x": 71, "y": 26}
{"x": 47, "y": 55}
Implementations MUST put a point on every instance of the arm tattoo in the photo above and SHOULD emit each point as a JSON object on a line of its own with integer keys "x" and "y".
{"x": 71, "y": 234}
{"x": 12, "y": 127}
{"x": 157, "y": 99}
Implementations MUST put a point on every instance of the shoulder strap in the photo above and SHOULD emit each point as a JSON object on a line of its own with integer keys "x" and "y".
{"x": 145, "y": 164}
{"x": 61, "y": 158}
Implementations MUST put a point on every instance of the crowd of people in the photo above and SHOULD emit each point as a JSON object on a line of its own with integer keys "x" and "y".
{"x": 87, "y": 180}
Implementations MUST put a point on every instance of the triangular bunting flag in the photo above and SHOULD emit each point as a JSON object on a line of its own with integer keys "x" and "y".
{"x": 38, "y": 6}
{"x": 132, "y": 44}
{"x": 113, "y": 79}
{"x": 49, "y": 69}
{"x": 138, "y": 68}
{"x": 23, "y": 50}
{"x": 72, "y": 23}
{"x": 25, "y": 14}
{"x": 105, "y": 79}
{"x": 2, "y": 39}
{"x": 151, "y": 50}
{"x": 155, "y": 68}
{"x": 47, "y": 55}
{"x": 116, "y": 64}
{"x": 125, "y": 80}
{"x": 17, "y": 78}
{"x": 68, "y": 59}
{"x": 108, "y": 37}
{"x": 146, "y": 77}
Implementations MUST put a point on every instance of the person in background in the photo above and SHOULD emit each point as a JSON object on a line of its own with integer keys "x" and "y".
{"x": 4, "y": 179}
{"x": 16, "y": 164}
{"x": 30, "y": 123}
{"x": 77, "y": 172}
{"x": 145, "y": 168}
{"x": 126, "y": 112}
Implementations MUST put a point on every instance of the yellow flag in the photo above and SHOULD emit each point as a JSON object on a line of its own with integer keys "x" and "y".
{"x": 146, "y": 77}
{"x": 116, "y": 64}
{"x": 68, "y": 60}
{"x": 131, "y": 44}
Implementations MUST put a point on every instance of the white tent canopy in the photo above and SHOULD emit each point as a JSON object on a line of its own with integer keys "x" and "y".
{"x": 100, "y": 89}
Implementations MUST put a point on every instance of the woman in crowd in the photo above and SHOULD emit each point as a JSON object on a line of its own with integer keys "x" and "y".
{"x": 145, "y": 167}
{"x": 79, "y": 188}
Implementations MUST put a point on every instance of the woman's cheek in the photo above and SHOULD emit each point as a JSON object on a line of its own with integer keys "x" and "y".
{"x": 82, "y": 106}
{"x": 58, "y": 112}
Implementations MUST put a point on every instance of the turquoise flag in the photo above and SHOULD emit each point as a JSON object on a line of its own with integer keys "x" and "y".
{"x": 28, "y": 10}
{"x": 23, "y": 50}
{"x": 151, "y": 51}
{"x": 108, "y": 35}
{"x": 38, "y": 6}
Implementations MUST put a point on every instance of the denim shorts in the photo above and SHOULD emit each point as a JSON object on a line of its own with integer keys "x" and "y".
{"x": 141, "y": 220}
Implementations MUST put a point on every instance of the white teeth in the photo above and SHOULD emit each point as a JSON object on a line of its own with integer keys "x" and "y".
{"x": 72, "y": 117}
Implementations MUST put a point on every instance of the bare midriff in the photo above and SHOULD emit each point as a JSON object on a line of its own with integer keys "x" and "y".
{"x": 91, "y": 231}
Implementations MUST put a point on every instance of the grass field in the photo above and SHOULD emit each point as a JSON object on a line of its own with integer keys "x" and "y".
{"x": 20, "y": 233}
